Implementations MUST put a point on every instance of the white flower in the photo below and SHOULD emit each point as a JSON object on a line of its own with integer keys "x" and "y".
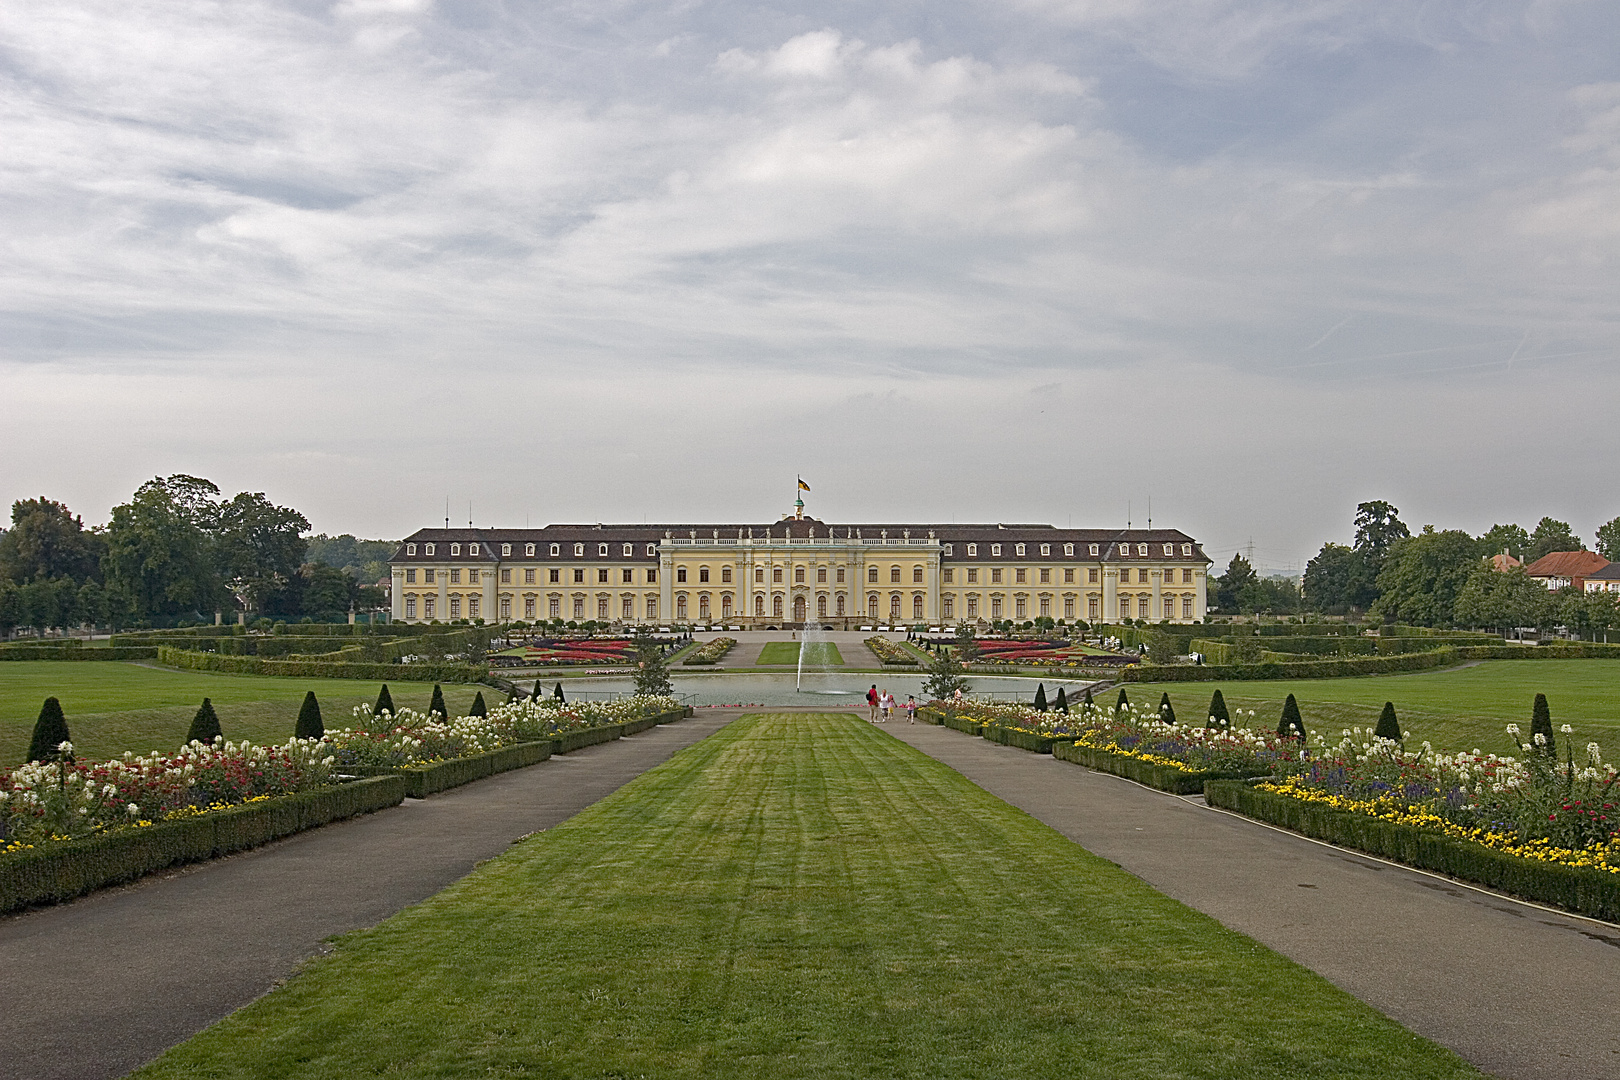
{"x": 1567, "y": 730}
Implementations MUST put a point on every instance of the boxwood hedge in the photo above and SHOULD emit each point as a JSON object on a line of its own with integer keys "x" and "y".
{"x": 320, "y": 669}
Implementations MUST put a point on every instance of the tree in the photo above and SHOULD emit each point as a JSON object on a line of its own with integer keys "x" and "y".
{"x": 1122, "y": 702}
{"x": 1423, "y": 575}
{"x": 436, "y": 705}
{"x": 1062, "y": 703}
{"x": 478, "y": 706}
{"x": 1388, "y": 726}
{"x": 159, "y": 560}
{"x": 1338, "y": 580}
{"x": 46, "y": 541}
{"x": 310, "y": 725}
{"x": 1167, "y": 711}
{"x": 205, "y": 725}
{"x": 326, "y": 593}
{"x": 967, "y": 649}
{"x": 1541, "y": 724}
{"x": 1040, "y": 697}
{"x": 538, "y": 691}
{"x": 1292, "y": 725}
{"x": 1502, "y": 600}
{"x": 385, "y": 702}
{"x": 1378, "y": 528}
{"x": 50, "y": 732}
{"x": 1509, "y": 538}
{"x": 1549, "y": 536}
{"x": 1239, "y": 574}
{"x": 260, "y": 548}
{"x": 1088, "y": 704}
{"x": 558, "y": 694}
{"x": 652, "y": 674}
{"x": 944, "y": 677}
{"x": 1608, "y": 540}
{"x": 1218, "y": 716}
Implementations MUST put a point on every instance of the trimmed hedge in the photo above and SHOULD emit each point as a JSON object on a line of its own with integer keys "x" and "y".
{"x": 1588, "y": 892}
{"x": 423, "y": 780}
{"x": 1574, "y": 650}
{"x": 962, "y": 724}
{"x": 931, "y": 716}
{"x": 1163, "y": 777}
{"x": 1023, "y": 740}
{"x": 74, "y": 867}
{"x": 126, "y": 652}
{"x": 1444, "y": 656}
{"x": 321, "y": 669}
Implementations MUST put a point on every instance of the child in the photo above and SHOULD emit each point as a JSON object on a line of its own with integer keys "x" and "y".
{"x": 911, "y": 708}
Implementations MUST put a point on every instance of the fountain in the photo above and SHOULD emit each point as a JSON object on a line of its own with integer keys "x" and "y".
{"x": 814, "y": 649}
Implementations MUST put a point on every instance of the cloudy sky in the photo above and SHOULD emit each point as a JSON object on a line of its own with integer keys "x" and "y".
{"x": 1015, "y": 260}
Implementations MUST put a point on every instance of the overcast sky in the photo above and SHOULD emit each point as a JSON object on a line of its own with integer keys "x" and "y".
{"x": 1018, "y": 260}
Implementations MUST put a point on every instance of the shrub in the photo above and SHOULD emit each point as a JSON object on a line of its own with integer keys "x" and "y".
{"x": 310, "y": 724}
{"x": 1167, "y": 711}
{"x": 1123, "y": 702}
{"x": 1086, "y": 702}
{"x": 558, "y": 694}
{"x": 205, "y": 725}
{"x": 1291, "y": 726}
{"x": 1541, "y": 724}
{"x": 1218, "y": 716}
{"x": 1388, "y": 726}
{"x": 1040, "y": 697}
{"x": 385, "y": 702}
{"x": 50, "y": 732}
{"x": 437, "y": 704}
{"x": 1062, "y": 703}
{"x": 478, "y": 707}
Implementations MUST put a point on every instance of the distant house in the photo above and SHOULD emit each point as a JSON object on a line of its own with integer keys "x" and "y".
{"x": 1504, "y": 562}
{"x": 1605, "y": 580}
{"x": 1566, "y": 568}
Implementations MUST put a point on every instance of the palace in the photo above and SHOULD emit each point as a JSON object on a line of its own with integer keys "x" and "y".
{"x": 797, "y": 570}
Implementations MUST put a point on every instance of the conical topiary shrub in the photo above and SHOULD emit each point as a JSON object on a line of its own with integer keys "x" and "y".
{"x": 436, "y": 705}
{"x": 478, "y": 706}
{"x": 1086, "y": 702}
{"x": 310, "y": 724}
{"x": 1541, "y": 724}
{"x": 1040, "y": 697}
{"x": 1388, "y": 726}
{"x": 385, "y": 702}
{"x": 1291, "y": 726}
{"x": 1167, "y": 711}
{"x": 557, "y": 693}
{"x": 205, "y": 725}
{"x": 539, "y": 692}
{"x": 1062, "y": 702}
{"x": 1218, "y": 716}
{"x": 1123, "y": 702}
{"x": 50, "y": 732}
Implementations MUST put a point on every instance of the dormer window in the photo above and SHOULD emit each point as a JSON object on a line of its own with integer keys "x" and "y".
{"x": 973, "y": 551}
{"x": 472, "y": 549}
{"x": 556, "y": 550}
{"x": 1186, "y": 549}
{"x": 950, "y": 549}
{"x": 652, "y": 550}
{"x": 1169, "y": 550}
{"x": 601, "y": 551}
{"x": 1019, "y": 549}
{"x": 455, "y": 549}
{"x": 579, "y": 551}
{"x": 1124, "y": 551}
{"x": 995, "y": 551}
{"x": 1046, "y": 549}
{"x": 428, "y": 548}
{"x": 629, "y": 550}
{"x": 410, "y": 549}
{"x": 1094, "y": 548}
{"x": 1068, "y": 551}
{"x": 528, "y": 551}
{"x": 1141, "y": 549}
{"x": 506, "y": 549}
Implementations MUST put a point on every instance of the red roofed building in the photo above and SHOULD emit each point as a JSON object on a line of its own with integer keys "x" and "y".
{"x": 1564, "y": 568}
{"x": 1504, "y": 562}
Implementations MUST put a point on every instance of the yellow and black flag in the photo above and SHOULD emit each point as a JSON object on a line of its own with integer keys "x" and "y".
{"x": 802, "y": 485}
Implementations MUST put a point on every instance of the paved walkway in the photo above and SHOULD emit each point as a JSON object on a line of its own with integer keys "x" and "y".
{"x": 96, "y": 987}
{"x": 1521, "y": 992}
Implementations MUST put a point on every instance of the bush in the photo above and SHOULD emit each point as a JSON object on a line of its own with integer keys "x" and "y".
{"x": 1541, "y": 724}
{"x": 385, "y": 702}
{"x": 1292, "y": 725}
{"x": 437, "y": 705}
{"x": 1218, "y": 716}
{"x": 1444, "y": 656}
{"x": 50, "y": 732}
{"x": 318, "y": 669}
{"x": 1040, "y": 697}
{"x": 1122, "y": 702}
{"x": 478, "y": 708}
{"x": 1388, "y": 726}
{"x": 310, "y": 725}
{"x": 1062, "y": 703}
{"x": 205, "y": 725}
{"x": 1167, "y": 711}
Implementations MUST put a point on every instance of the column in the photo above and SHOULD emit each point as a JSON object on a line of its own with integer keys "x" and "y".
{"x": 1156, "y": 611}
{"x": 666, "y": 585}
{"x": 396, "y": 597}
{"x": 1110, "y": 594}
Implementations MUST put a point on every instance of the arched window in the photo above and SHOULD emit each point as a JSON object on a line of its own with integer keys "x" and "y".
{"x": 579, "y": 608}
{"x": 680, "y": 606}
{"x": 725, "y": 606}
{"x": 917, "y": 606}
{"x": 950, "y": 607}
{"x": 821, "y": 606}
{"x": 703, "y": 607}
{"x": 629, "y": 608}
{"x": 759, "y": 604}
{"x": 602, "y": 608}
{"x": 652, "y": 607}
{"x": 840, "y": 603}
{"x": 872, "y": 604}
{"x": 894, "y": 607}
{"x": 776, "y": 605}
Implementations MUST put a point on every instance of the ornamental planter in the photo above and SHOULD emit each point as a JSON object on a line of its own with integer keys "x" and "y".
{"x": 1594, "y": 893}
{"x": 63, "y": 871}
{"x": 1164, "y": 777}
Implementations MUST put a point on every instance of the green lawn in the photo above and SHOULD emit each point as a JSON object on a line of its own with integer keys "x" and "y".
{"x": 113, "y": 707}
{"x": 803, "y": 896}
{"x": 818, "y": 653}
{"x": 1458, "y": 709}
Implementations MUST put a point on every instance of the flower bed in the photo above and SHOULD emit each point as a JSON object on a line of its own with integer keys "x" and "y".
{"x": 711, "y": 652}
{"x": 423, "y": 780}
{"x": 1165, "y": 775}
{"x": 552, "y": 652}
{"x": 888, "y": 652}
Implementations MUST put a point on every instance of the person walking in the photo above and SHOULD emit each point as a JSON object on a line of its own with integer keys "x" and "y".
{"x": 911, "y": 708}
{"x": 885, "y": 705}
{"x": 872, "y": 704}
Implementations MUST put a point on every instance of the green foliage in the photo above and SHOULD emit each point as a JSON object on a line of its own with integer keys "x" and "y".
{"x": 1040, "y": 697}
{"x": 652, "y": 673}
{"x": 1608, "y": 540}
{"x": 1423, "y": 576}
{"x": 944, "y": 676}
{"x": 1062, "y": 703}
{"x": 319, "y": 669}
{"x": 1550, "y": 536}
{"x": 558, "y": 694}
{"x": 1389, "y": 727}
{"x": 1230, "y": 585}
{"x": 50, "y": 732}
{"x": 1511, "y": 539}
{"x": 478, "y": 708}
{"x": 436, "y": 705}
{"x": 1269, "y": 668}
{"x": 310, "y": 724}
{"x": 1541, "y": 724}
{"x": 1378, "y": 529}
{"x": 1086, "y": 701}
{"x": 385, "y": 702}
{"x": 1338, "y": 580}
{"x": 205, "y": 725}
{"x": 1218, "y": 716}
{"x": 1292, "y": 725}
{"x": 47, "y": 542}
{"x": 1167, "y": 711}
{"x": 1503, "y": 600}
{"x": 160, "y": 561}
{"x": 1122, "y": 702}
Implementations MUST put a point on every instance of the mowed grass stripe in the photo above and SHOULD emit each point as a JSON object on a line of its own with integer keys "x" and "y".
{"x": 804, "y": 896}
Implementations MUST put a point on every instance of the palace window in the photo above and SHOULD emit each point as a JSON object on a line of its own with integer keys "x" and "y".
{"x": 680, "y": 607}
{"x": 776, "y": 606}
{"x": 554, "y": 607}
{"x": 973, "y": 575}
{"x": 1046, "y": 606}
{"x": 427, "y": 576}
{"x": 455, "y": 607}
{"x": 1141, "y": 576}
{"x": 894, "y": 608}
{"x": 949, "y": 549}
{"x": 579, "y": 551}
{"x": 506, "y": 608}
{"x": 1068, "y": 575}
{"x": 556, "y": 549}
{"x": 680, "y": 575}
{"x": 1068, "y": 607}
{"x": 872, "y": 574}
{"x": 1169, "y": 607}
{"x": 1046, "y": 550}
{"x": 917, "y": 606}
{"x": 894, "y": 574}
{"x": 871, "y": 606}
{"x": 1046, "y": 576}
{"x": 1141, "y": 549}
{"x": 1186, "y": 577}
{"x": 995, "y": 551}
{"x": 652, "y": 575}
{"x": 410, "y": 607}
{"x": 410, "y": 549}
{"x": 1020, "y": 608}
{"x": 1020, "y": 575}
{"x": 916, "y": 575}
{"x": 455, "y": 549}
{"x": 528, "y": 607}
{"x": 798, "y": 575}
{"x": 472, "y": 549}
{"x": 555, "y": 576}
{"x": 950, "y": 575}
{"x": 973, "y": 551}
{"x": 1091, "y": 575}
{"x": 1169, "y": 550}
{"x": 579, "y": 608}
{"x": 410, "y": 576}
{"x": 821, "y": 606}
{"x": 602, "y": 608}
{"x": 1186, "y": 607}
{"x": 950, "y": 607}
{"x": 629, "y": 576}
{"x": 1094, "y": 550}
{"x": 725, "y": 606}
{"x": 629, "y": 608}
{"x": 995, "y": 607}
{"x": 995, "y": 575}
{"x": 840, "y": 603}
{"x": 602, "y": 575}
{"x": 1142, "y": 607}
{"x": 1186, "y": 549}
{"x": 629, "y": 551}
{"x": 776, "y": 574}
{"x": 1068, "y": 551}
{"x": 506, "y": 549}
{"x": 652, "y": 607}
{"x": 1124, "y": 607}
{"x": 703, "y": 574}
{"x": 506, "y": 576}
{"x": 759, "y": 604}
{"x": 703, "y": 607}
{"x": 1091, "y": 608}
{"x": 528, "y": 551}
{"x": 427, "y": 549}
{"x": 455, "y": 576}
{"x": 840, "y": 575}
{"x": 427, "y": 607}
{"x": 528, "y": 576}
{"x": 821, "y": 575}
{"x": 759, "y": 577}
{"x": 1019, "y": 550}
{"x": 579, "y": 575}
{"x": 652, "y": 550}
{"x": 972, "y": 607}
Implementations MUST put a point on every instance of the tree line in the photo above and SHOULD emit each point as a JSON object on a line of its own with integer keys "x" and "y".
{"x": 176, "y": 553}
{"x": 1437, "y": 578}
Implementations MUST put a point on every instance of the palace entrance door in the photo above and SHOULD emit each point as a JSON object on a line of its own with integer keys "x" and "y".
{"x": 798, "y": 609}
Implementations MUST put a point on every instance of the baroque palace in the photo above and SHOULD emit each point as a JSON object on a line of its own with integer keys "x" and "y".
{"x": 798, "y": 570}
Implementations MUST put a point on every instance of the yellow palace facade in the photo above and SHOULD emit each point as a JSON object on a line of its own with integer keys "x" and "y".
{"x": 798, "y": 570}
